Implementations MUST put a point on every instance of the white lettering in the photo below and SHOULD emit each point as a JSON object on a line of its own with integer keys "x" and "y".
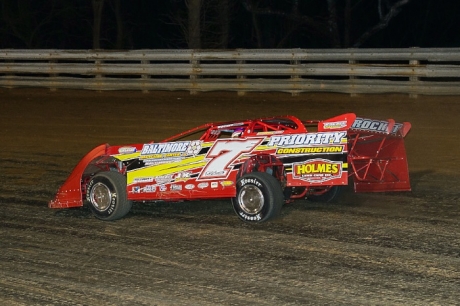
{"x": 308, "y": 139}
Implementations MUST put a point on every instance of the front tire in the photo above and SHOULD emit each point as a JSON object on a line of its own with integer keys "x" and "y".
{"x": 259, "y": 197}
{"x": 106, "y": 196}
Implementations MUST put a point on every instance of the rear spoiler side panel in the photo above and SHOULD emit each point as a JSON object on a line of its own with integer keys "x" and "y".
{"x": 377, "y": 155}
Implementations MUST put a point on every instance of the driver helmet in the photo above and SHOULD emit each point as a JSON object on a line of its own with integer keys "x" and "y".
{"x": 237, "y": 132}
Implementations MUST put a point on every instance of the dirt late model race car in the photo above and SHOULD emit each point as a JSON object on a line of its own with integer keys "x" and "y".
{"x": 259, "y": 164}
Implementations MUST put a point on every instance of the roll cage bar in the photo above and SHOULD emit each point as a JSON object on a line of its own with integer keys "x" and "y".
{"x": 211, "y": 131}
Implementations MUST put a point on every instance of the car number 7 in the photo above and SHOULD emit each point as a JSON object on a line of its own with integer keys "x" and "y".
{"x": 223, "y": 153}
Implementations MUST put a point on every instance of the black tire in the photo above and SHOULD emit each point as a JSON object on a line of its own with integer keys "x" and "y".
{"x": 259, "y": 197}
{"x": 329, "y": 196}
{"x": 106, "y": 196}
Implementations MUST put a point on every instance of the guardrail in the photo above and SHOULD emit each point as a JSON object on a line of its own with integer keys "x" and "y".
{"x": 413, "y": 71}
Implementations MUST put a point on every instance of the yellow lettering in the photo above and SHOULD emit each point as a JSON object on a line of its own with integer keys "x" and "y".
{"x": 335, "y": 169}
{"x": 300, "y": 169}
{"x": 317, "y": 168}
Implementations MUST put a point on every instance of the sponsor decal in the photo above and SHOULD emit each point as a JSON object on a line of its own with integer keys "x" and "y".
{"x": 203, "y": 185}
{"x": 215, "y": 173}
{"x": 317, "y": 170}
{"x": 374, "y": 125}
{"x": 334, "y": 125}
{"x": 214, "y": 185}
{"x": 127, "y": 150}
{"x": 166, "y": 147}
{"x": 175, "y": 187}
{"x": 308, "y": 139}
{"x": 153, "y": 162}
{"x": 226, "y": 183}
{"x": 149, "y": 188}
{"x": 163, "y": 188}
{"x": 189, "y": 186}
{"x": 310, "y": 150}
{"x": 170, "y": 149}
{"x": 163, "y": 179}
{"x": 138, "y": 180}
{"x": 194, "y": 147}
{"x": 182, "y": 176}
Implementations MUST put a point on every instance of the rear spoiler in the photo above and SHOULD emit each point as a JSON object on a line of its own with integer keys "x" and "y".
{"x": 377, "y": 156}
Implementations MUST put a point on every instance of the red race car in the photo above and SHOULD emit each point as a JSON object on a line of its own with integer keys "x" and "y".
{"x": 259, "y": 164}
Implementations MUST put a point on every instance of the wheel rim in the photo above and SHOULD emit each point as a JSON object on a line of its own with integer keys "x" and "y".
{"x": 101, "y": 196}
{"x": 251, "y": 199}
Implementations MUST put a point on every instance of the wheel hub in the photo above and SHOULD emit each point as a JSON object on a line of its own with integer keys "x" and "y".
{"x": 101, "y": 196}
{"x": 251, "y": 199}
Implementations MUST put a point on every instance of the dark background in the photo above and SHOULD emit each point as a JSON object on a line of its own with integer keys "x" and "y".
{"x": 228, "y": 24}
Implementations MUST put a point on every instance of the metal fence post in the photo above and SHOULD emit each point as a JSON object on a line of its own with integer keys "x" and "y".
{"x": 145, "y": 76}
{"x": 351, "y": 63}
{"x": 295, "y": 77}
{"x": 241, "y": 78}
{"x": 194, "y": 76}
{"x": 414, "y": 80}
{"x": 52, "y": 75}
{"x": 98, "y": 76}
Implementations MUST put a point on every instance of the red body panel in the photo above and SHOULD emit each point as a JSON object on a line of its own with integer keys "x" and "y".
{"x": 70, "y": 193}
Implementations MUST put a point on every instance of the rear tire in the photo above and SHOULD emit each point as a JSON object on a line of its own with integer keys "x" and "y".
{"x": 106, "y": 196}
{"x": 259, "y": 197}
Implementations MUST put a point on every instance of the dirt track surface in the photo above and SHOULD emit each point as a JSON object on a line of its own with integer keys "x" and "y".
{"x": 368, "y": 249}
